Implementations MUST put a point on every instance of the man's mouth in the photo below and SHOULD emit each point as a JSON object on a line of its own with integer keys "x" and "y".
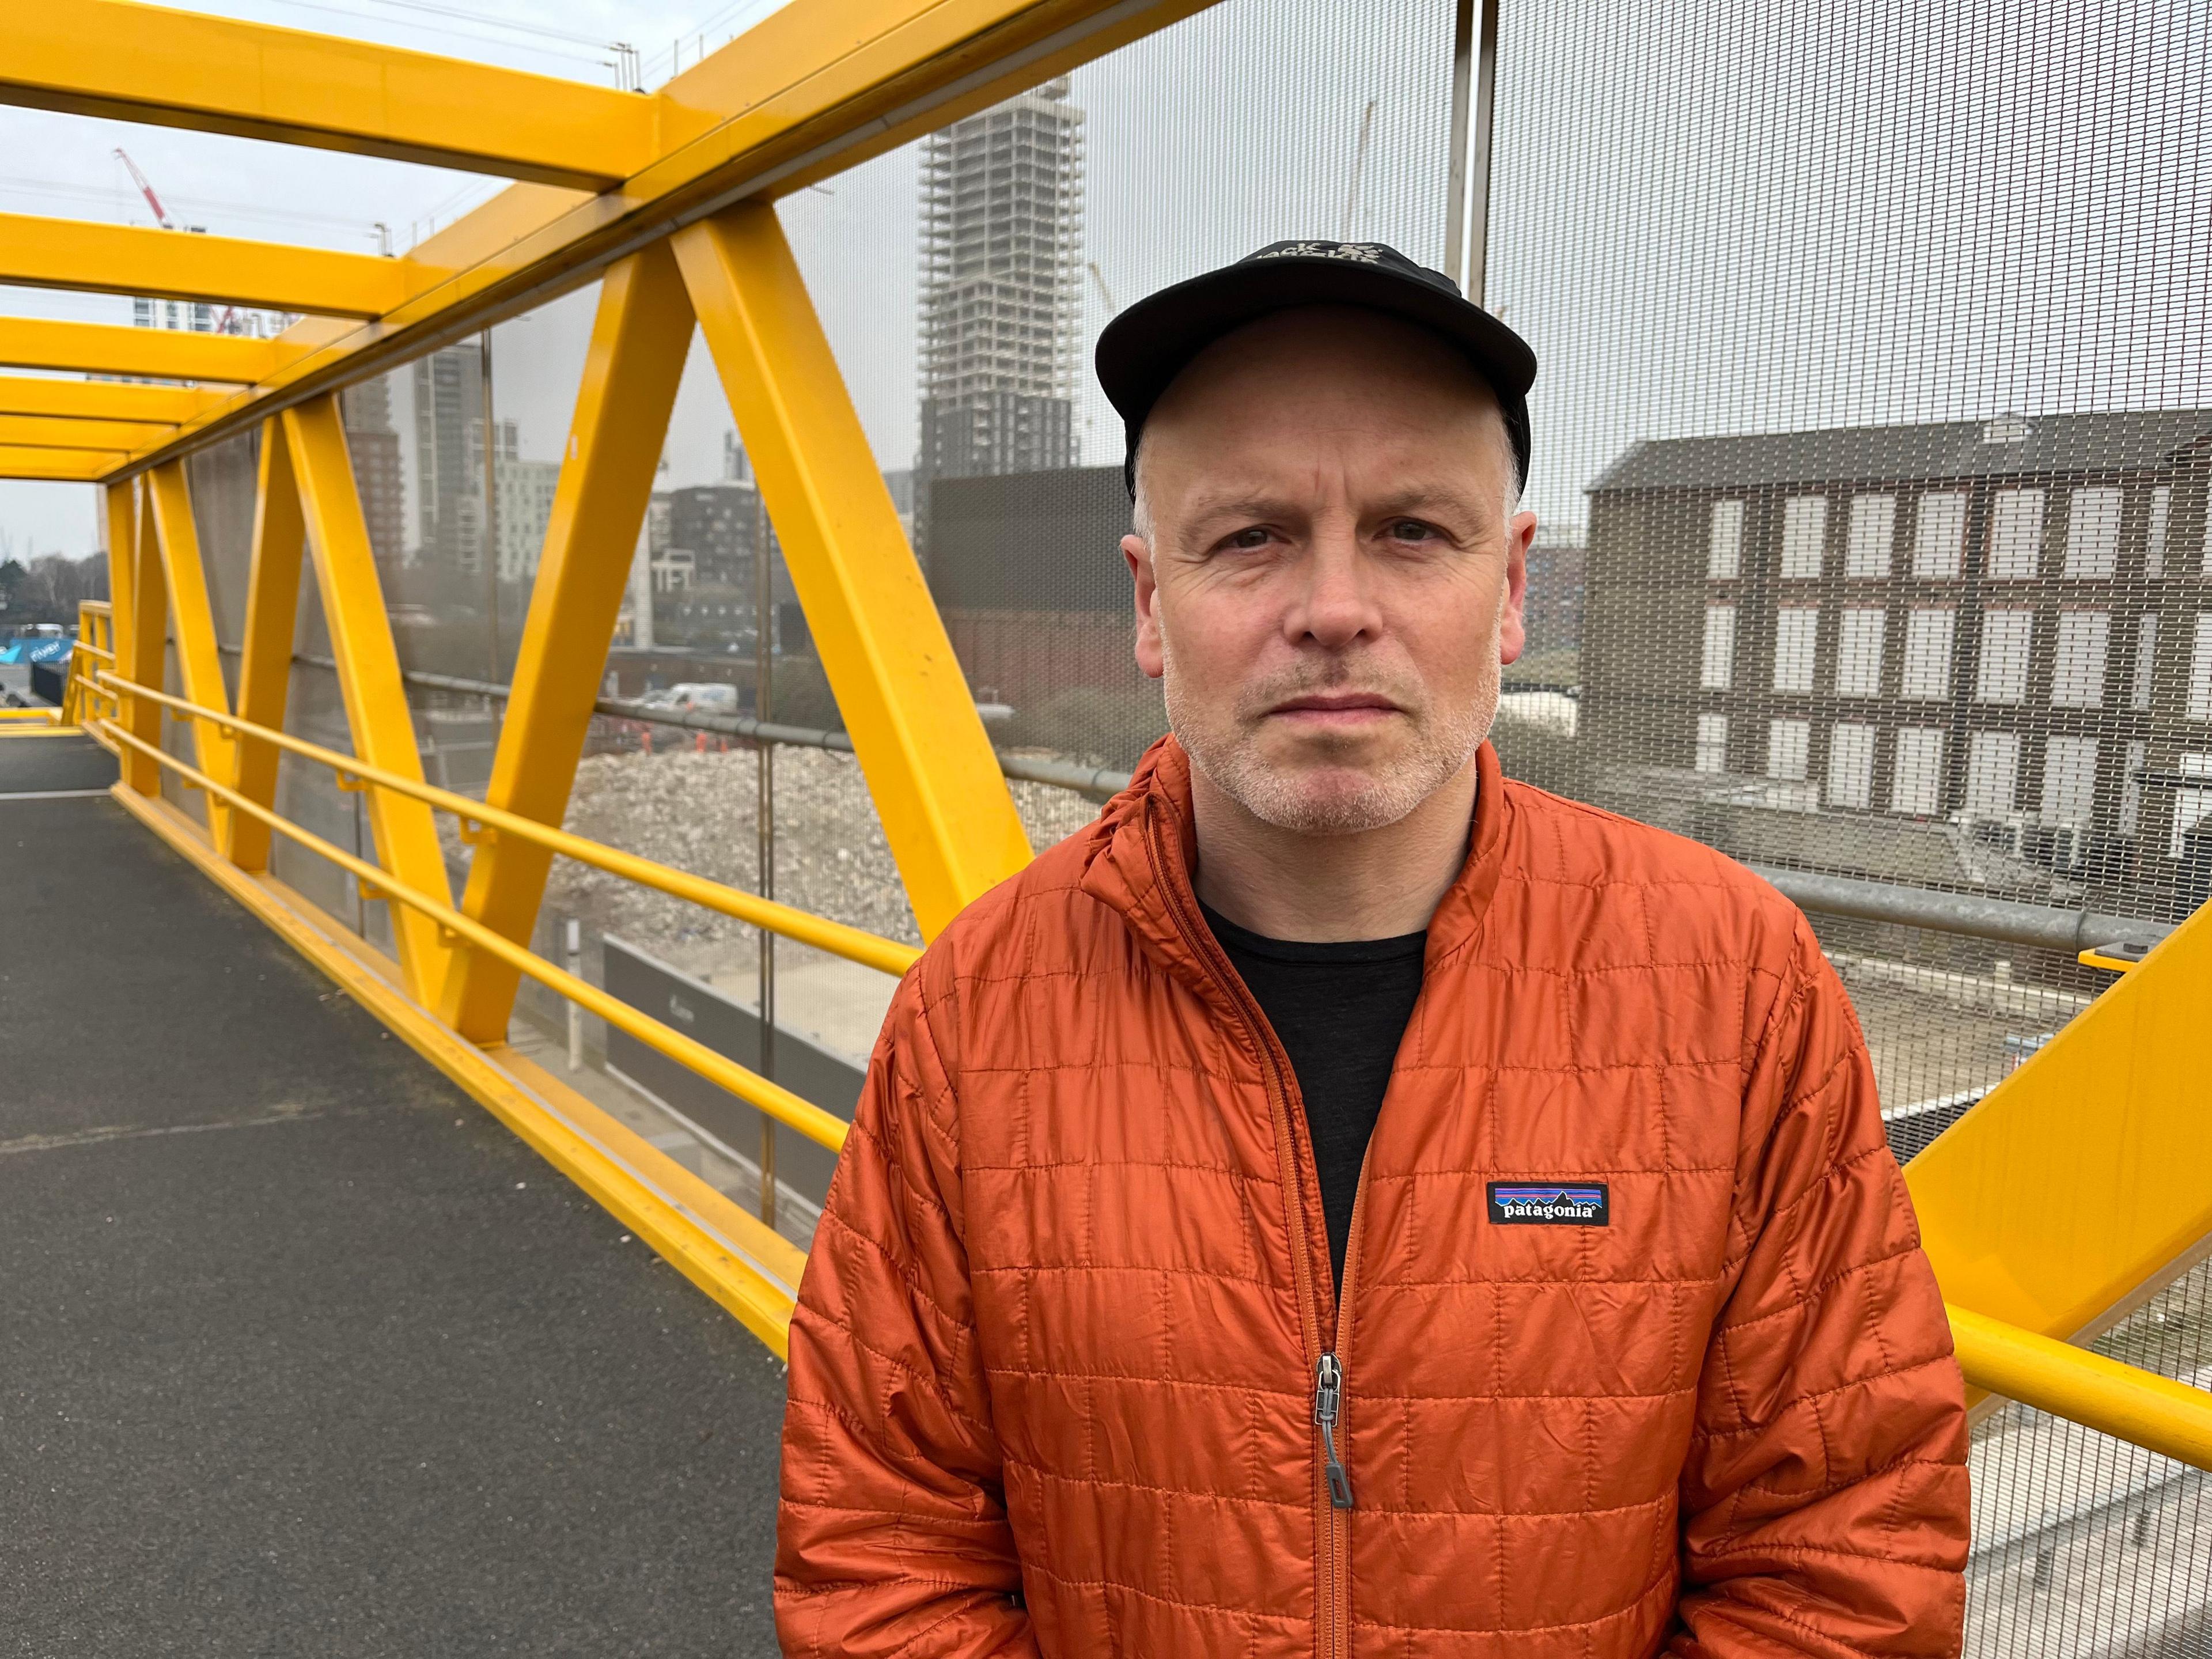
{"x": 1336, "y": 708}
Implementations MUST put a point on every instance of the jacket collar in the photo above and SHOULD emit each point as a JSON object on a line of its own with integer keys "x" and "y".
{"x": 1144, "y": 848}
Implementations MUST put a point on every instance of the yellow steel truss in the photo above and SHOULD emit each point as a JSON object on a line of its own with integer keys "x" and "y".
{"x": 157, "y": 354}
{"x": 76, "y": 253}
{"x": 54, "y": 432}
{"x": 638, "y": 340}
{"x": 59, "y": 466}
{"x": 102, "y": 400}
{"x": 946, "y": 814}
{"x": 160, "y": 65}
{"x": 272, "y": 614}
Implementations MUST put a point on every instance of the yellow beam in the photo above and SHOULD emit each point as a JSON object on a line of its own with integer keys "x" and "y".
{"x": 2087, "y": 1172}
{"x": 144, "y": 658}
{"x": 638, "y": 340}
{"x": 154, "y": 354}
{"x": 191, "y": 621}
{"x": 946, "y": 814}
{"x": 2136, "y": 1405}
{"x": 102, "y": 400}
{"x": 377, "y": 714}
{"x": 120, "y": 504}
{"x": 273, "y": 615}
{"x": 167, "y": 68}
{"x": 59, "y": 466}
{"x": 221, "y": 270}
{"x": 78, "y": 253}
{"x": 52, "y": 432}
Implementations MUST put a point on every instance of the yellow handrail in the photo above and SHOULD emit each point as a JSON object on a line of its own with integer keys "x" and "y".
{"x": 777, "y": 1101}
{"x": 853, "y": 944}
{"x": 43, "y": 716}
{"x": 2120, "y": 1400}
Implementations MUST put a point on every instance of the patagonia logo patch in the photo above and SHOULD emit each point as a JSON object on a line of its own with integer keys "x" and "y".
{"x": 1550, "y": 1203}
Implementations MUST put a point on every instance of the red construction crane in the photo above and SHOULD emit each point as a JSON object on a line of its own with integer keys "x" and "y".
{"x": 146, "y": 190}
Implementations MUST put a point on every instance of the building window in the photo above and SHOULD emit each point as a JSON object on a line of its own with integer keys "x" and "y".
{"x": 1928, "y": 654}
{"x": 1850, "y": 766}
{"x": 1916, "y": 776}
{"x": 1939, "y": 544}
{"x": 1796, "y": 635}
{"x": 1873, "y": 527}
{"x": 2016, "y": 535}
{"x": 2069, "y": 781}
{"x": 1788, "y": 742}
{"x": 2190, "y": 806}
{"x": 1718, "y": 673}
{"x": 1712, "y": 743}
{"x": 2200, "y": 669}
{"x": 2093, "y": 534}
{"x": 2146, "y": 659}
{"x": 2162, "y": 513}
{"x": 1992, "y": 774}
{"x": 1725, "y": 542}
{"x": 1804, "y": 528}
{"x": 1858, "y": 654}
{"x": 2131, "y": 789}
{"x": 2077, "y": 671}
{"x": 2002, "y": 675}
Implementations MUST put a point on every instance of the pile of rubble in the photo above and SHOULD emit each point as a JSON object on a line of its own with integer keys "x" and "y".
{"x": 699, "y": 812}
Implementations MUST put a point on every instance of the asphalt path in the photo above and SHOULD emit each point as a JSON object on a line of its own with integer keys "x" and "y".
{"x": 301, "y": 1352}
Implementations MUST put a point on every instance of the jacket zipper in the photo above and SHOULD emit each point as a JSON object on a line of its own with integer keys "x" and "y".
{"x": 1332, "y": 1495}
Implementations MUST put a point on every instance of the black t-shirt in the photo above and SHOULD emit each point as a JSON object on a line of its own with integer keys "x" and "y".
{"x": 1339, "y": 1010}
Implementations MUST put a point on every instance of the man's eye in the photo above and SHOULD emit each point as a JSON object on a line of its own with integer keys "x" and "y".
{"x": 1413, "y": 529}
{"x": 1251, "y": 536}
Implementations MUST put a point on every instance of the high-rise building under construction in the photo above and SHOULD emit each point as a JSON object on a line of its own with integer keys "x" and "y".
{"x": 1001, "y": 297}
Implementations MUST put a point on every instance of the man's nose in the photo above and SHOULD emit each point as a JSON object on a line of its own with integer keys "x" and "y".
{"x": 1336, "y": 603}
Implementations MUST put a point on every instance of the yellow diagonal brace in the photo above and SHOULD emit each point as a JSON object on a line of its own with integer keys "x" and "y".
{"x": 637, "y": 357}
{"x": 191, "y": 619}
{"x": 273, "y": 615}
{"x": 2087, "y": 1172}
{"x": 157, "y": 354}
{"x": 78, "y": 253}
{"x": 171, "y": 68}
{"x": 368, "y": 679}
{"x": 59, "y": 465}
{"x": 101, "y": 400}
{"x": 946, "y": 814}
{"x": 52, "y": 432}
{"x": 144, "y": 655}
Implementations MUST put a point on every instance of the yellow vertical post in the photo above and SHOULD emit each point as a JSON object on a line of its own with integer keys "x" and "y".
{"x": 272, "y": 612}
{"x": 369, "y": 680}
{"x": 638, "y": 340}
{"x": 946, "y": 814}
{"x": 198, "y": 665}
{"x": 144, "y": 659}
{"x": 121, "y": 501}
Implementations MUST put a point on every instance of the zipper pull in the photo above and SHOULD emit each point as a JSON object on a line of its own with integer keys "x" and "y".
{"x": 1329, "y": 1394}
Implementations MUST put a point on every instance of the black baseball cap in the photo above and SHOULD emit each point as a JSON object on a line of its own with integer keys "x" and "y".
{"x": 1144, "y": 349}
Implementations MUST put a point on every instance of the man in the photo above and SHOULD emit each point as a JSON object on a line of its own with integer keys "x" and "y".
{"x": 1342, "y": 1201}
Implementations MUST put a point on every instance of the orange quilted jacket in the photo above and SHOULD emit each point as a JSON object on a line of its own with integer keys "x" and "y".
{"x": 1069, "y": 1332}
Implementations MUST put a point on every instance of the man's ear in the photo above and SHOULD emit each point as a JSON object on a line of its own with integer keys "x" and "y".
{"x": 1512, "y": 619}
{"x": 1149, "y": 655}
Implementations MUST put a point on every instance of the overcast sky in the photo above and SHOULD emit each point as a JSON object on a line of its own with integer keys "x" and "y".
{"x": 1710, "y": 215}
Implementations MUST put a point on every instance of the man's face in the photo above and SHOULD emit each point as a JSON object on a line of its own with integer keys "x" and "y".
{"x": 1330, "y": 583}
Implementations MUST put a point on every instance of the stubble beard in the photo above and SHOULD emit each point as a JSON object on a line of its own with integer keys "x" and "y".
{"x": 1333, "y": 797}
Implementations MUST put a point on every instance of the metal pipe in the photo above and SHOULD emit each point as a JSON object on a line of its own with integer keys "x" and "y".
{"x": 764, "y": 827}
{"x": 1474, "y": 81}
{"x": 2007, "y": 920}
{"x": 576, "y": 1010}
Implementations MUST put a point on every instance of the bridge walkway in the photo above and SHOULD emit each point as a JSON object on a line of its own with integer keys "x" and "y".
{"x": 300, "y": 1351}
